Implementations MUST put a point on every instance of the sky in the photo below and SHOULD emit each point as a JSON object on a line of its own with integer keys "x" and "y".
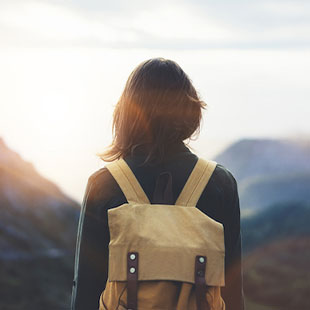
{"x": 63, "y": 66}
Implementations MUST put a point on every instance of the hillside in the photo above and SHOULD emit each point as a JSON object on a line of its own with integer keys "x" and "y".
{"x": 276, "y": 256}
{"x": 263, "y": 191}
{"x": 268, "y": 171}
{"x": 278, "y": 222}
{"x": 273, "y": 182}
{"x": 38, "y": 227}
{"x": 255, "y": 157}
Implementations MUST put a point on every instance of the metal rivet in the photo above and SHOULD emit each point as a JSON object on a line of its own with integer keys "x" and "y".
{"x": 132, "y": 256}
{"x": 201, "y": 259}
{"x": 132, "y": 270}
{"x": 200, "y": 273}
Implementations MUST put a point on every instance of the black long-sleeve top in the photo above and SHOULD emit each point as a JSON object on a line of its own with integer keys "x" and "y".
{"x": 219, "y": 201}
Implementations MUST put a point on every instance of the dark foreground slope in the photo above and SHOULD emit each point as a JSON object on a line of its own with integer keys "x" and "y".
{"x": 38, "y": 226}
{"x": 276, "y": 245}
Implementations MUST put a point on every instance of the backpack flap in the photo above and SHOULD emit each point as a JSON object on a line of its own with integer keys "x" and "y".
{"x": 167, "y": 238}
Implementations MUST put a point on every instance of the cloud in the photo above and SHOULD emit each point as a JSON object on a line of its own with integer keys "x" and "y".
{"x": 155, "y": 24}
{"x": 41, "y": 24}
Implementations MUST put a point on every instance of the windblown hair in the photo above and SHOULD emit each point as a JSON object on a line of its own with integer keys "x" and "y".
{"x": 158, "y": 108}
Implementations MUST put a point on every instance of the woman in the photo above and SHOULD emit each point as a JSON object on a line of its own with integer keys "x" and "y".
{"x": 158, "y": 110}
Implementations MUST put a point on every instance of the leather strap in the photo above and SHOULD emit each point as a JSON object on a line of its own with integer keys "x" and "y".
{"x": 200, "y": 282}
{"x": 196, "y": 183}
{"x": 132, "y": 280}
{"x": 127, "y": 181}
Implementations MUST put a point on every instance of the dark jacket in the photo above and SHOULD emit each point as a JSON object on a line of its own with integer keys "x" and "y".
{"x": 219, "y": 201}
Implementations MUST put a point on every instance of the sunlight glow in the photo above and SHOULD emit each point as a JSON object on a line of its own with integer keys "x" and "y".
{"x": 64, "y": 65}
{"x": 53, "y": 114}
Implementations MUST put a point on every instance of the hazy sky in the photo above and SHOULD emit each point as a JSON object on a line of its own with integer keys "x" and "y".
{"x": 63, "y": 65}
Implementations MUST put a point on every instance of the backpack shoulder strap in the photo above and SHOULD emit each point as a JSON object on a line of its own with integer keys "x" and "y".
{"x": 196, "y": 183}
{"x": 127, "y": 181}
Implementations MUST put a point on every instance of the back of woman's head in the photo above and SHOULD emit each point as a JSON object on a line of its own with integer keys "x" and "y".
{"x": 158, "y": 108}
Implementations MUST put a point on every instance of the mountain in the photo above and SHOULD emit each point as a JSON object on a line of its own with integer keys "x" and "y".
{"x": 263, "y": 191}
{"x": 38, "y": 227}
{"x": 256, "y": 157}
{"x": 281, "y": 221}
{"x": 269, "y": 171}
{"x": 37, "y": 218}
{"x": 273, "y": 177}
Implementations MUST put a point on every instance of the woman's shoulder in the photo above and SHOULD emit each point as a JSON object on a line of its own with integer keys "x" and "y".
{"x": 223, "y": 173}
{"x": 101, "y": 186}
{"x": 224, "y": 180}
{"x": 219, "y": 200}
{"x": 98, "y": 175}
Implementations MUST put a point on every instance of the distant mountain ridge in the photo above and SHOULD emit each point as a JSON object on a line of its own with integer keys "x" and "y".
{"x": 254, "y": 157}
{"x": 37, "y": 218}
{"x": 269, "y": 171}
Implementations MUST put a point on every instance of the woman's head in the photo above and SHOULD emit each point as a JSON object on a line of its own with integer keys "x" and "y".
{"x": 158, "y": 108}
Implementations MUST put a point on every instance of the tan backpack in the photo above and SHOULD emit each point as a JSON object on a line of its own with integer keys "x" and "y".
{"x": 163, "y": 257}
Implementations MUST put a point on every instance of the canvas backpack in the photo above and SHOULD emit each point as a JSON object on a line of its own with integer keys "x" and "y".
{"x": 155, "y": 246}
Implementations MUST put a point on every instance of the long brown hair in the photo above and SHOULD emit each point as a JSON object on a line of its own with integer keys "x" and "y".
{"x": 158, "y": 108}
